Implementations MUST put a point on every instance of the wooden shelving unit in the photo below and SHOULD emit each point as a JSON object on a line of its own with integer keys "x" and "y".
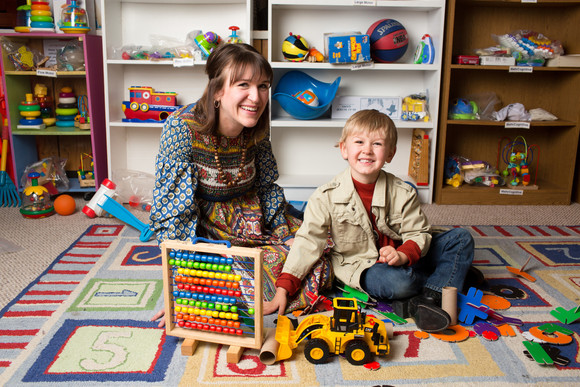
{"x": 29, "y": 146}
{"x": 470, "y": 25}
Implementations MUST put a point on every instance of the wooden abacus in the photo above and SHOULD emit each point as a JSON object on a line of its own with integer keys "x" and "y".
{"x": 213, "y": 293}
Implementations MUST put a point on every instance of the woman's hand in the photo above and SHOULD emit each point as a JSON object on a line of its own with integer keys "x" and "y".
{"x": 159, "y": 315}
{"x": 278, "y": 303}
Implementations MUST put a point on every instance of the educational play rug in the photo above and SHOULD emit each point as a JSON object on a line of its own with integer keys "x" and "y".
{"x": 85, "y": 321}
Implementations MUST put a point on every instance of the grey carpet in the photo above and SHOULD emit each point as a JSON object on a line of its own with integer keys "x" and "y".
{"x": 28, "y": 246}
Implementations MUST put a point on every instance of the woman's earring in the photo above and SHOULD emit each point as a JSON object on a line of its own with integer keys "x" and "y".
{"x": 216, "y": 104}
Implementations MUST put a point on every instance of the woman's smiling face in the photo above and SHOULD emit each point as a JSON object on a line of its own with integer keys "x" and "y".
{"x": 242, "y": 103}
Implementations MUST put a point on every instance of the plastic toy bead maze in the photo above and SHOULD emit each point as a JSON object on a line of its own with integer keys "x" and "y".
{"x": 210, "y": 295}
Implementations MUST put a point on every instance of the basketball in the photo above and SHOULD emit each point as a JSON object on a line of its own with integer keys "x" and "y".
{"x": 389, "y": 40}
{"x": 295, "y": 48}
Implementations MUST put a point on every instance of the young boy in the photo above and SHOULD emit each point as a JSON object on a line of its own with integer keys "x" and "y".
{"x": 382, "y": 241}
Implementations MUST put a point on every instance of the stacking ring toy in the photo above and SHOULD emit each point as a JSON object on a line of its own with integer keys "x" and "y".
{"x": 67, "y": 100}
{"x": 66, "y": 118}
{"x": 66, "y": 112}
{"x": 65, "y": 124}
{"x": 30, "y": 113}
{"x": 35, "y": 121}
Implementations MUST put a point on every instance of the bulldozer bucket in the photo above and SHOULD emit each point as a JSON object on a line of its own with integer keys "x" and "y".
{"x": 283, "y": 337}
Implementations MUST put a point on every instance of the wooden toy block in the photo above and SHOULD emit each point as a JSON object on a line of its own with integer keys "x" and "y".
{"x": 419, "y": 157}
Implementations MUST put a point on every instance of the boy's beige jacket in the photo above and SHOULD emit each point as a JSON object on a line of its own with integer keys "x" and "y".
{"x": 336, "y": 207}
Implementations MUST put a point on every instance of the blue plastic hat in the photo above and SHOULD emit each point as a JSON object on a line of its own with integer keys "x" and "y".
{"x": 294, "y": 82}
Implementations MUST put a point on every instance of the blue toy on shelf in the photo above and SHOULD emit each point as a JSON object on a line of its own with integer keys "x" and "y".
{"x": 463, "y": 109}
{"x": 425, "y": 52}
{"x": 293, "y": 84}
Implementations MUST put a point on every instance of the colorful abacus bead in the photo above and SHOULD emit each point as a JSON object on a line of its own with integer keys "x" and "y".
{"x": 206, "y": 291}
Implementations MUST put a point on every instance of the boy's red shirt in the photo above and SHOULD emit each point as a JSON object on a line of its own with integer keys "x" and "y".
{"x": 365, "y": 191}
{"x": 409, "y": 248}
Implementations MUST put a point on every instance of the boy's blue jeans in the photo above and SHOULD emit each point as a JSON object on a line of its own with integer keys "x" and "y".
{"x": 446, "y": 264}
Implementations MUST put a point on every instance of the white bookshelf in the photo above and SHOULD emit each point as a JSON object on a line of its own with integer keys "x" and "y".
{"x": 135, "y": 22}
{"x": 305, "y": 149}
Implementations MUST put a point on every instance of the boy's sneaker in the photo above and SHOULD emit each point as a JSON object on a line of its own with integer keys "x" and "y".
{"x": 473, "y": 279}
{"x": 428, "y": 316}
{"x": 433, "y": 295}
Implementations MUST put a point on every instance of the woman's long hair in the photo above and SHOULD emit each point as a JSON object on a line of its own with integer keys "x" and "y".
{"x": 236, "y": 58}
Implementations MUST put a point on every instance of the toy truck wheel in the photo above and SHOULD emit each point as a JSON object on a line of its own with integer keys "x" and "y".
{"x": 357, "y": 352}
{"x": 316, "y": 351}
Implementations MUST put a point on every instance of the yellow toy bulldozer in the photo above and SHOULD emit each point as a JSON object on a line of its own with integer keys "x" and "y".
{"x": 349, "y": 331}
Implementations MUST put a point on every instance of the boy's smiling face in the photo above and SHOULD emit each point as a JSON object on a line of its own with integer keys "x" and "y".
{"x": 366, "y": 154}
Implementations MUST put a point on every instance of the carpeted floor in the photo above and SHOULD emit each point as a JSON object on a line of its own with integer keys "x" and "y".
{"x": 28, "y": 246}
{"x": 83, "y": 319}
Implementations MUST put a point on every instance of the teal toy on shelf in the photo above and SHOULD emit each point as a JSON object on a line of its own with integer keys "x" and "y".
{"x": 463, "y": 109}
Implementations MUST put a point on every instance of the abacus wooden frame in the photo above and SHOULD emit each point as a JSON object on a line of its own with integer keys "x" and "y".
{"x": 212, "y": 337}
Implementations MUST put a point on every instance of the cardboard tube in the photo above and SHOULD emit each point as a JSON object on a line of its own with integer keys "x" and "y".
{"x": 269, "y": 347}
{"x": 449, "y": 302}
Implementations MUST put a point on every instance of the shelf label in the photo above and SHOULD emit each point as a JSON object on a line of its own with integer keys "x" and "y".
{"x": 513, "y": 192}
{"x": 521, "y": 69}
{"x": 516, "y": 125}
{"x": 529, "y": 1}
{"x": 46, "y": 73}
{"x": 370, "y": 3}
{"x": 182, "y": 62}
{"x": 361, "y": 66}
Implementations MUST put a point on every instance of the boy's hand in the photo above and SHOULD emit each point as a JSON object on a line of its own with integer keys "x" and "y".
{"x": 159, "y": 315}
{"x": 278, "y": 303}
{"x": 392, "y": 257}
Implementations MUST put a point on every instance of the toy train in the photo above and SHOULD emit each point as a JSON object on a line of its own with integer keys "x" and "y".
{"x": 147, "y": 105}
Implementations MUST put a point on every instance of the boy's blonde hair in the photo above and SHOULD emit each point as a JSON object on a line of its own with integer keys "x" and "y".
{"x": 370, "y": 121}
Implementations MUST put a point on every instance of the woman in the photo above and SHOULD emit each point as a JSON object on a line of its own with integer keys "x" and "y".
{"x": 215, "y": 171}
